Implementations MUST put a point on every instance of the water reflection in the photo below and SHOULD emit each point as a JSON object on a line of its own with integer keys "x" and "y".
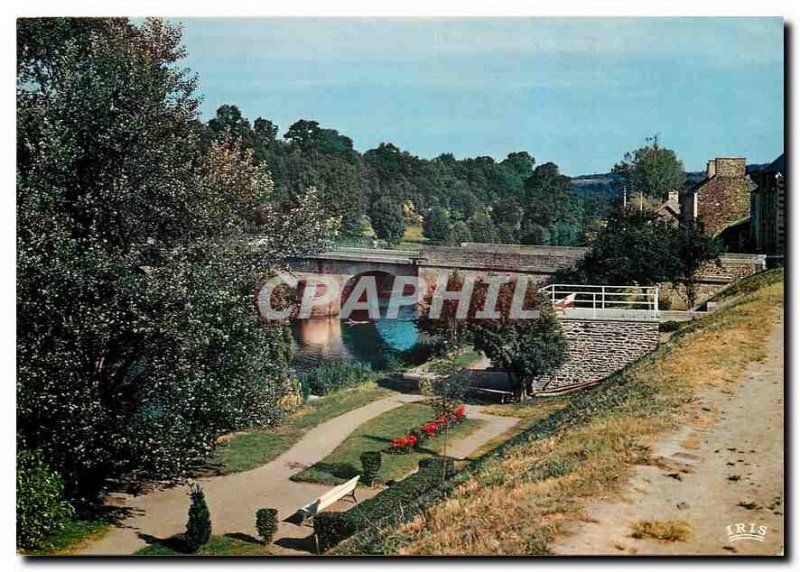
{"x": 328, "y": 338}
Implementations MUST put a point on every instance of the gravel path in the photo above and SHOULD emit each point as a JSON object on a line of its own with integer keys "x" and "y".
{"x": 233, "y": 499}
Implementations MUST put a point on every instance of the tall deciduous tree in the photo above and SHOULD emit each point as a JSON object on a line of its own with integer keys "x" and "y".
{"x": 387, "y": 219}
{"x": 436, "y": 225}
{"x": 137, "y": 342}
{"x": 651, "y": 170}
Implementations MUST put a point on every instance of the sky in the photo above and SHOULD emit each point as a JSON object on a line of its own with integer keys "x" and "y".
{"x": 577, "y": 92}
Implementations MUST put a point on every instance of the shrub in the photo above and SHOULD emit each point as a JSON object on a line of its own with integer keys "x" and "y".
{"x": 325, "y": 379}
{"x": 669, "y": 530}
{"x": 330, "y": 528}
{"x": 267, "y": 523}
{"x": 370, "y": 465}
{"x": 198, "y": 527}
{"x": 669, "y": 326}
{"x": 41, "y": 508}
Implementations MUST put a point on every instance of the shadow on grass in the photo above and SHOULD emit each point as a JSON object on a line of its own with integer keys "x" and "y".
{"x": 244, "y": 537}
{"x": 174, "y": 543}
{"x": 307, "y": 544}
{"x": 341, "y": 471}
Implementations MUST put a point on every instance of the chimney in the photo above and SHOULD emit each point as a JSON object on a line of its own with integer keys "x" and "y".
{"x": 711, "y": 170}
{"x": 730, "y": 166}
{"x": 674, "y": 195}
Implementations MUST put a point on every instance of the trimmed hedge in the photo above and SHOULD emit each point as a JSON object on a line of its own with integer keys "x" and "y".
{"x": 370, "y": 465}
{"x": 337, "y": 526}
{"x": 330, "y": 528}
{"x": 267, "y": 523}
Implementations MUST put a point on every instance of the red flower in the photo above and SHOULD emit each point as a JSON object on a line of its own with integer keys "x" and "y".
{"x": 461, "y": 411}
{"x": 411, "y": 440}
{"x": 400, "y": 443}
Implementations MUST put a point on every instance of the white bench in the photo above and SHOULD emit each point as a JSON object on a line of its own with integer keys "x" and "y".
{"x": 338, "y": 492}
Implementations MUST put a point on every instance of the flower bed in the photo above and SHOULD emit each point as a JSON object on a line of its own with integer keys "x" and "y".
{"x": 429, "y": 430}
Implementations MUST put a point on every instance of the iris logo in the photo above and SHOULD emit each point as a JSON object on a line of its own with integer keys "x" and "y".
{"x": 749, "y": 531}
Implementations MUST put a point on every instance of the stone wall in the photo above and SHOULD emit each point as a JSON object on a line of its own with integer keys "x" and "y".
{"x": 501, "y": 257}
{"x": 597, "y": 349}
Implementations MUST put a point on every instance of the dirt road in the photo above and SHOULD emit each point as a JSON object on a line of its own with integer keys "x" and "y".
{"x": 724, "y": 470}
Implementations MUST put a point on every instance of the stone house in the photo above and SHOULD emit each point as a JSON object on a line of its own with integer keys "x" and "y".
{"x": 722, "y": 199}
{"x": 768, "y": 210}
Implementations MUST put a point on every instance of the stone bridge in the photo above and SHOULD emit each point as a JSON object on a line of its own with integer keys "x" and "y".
{"x": 601, "y": 338}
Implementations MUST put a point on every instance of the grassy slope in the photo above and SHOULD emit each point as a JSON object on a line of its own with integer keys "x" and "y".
{"x": 528, "y": 487}
{"x": 216, "y": 546}
{"x": 376, "y": 434}
{"x": 251, "y": 449}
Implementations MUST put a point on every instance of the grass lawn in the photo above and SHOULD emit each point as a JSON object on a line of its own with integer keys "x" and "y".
{"x": 376, "y": 434}
{"x": 74, "y": 535}
{"x": 251, "y": 449}
{"x": 227, "y": 545}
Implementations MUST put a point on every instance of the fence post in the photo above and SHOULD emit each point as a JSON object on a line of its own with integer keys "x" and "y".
{"x": 603, "y": 297}
{"x": 655, "y": 303}
{"x": 594, "y": 304}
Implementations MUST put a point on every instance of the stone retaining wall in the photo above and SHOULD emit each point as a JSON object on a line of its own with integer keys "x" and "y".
{"x": 598, "y": 348}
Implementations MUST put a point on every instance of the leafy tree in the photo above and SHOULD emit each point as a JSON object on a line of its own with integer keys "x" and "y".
{"x": 459, "y": 233}
{"x": 507, "y": 218}
{"x": 520, "y": 162}
{"x": 436, "y": 225}
{"x": 695, "y": 250}
{"x": 446, "y": 326}
{"x": 651, "y": 170}
{"x": 198, "y": 527}
{"x": 267, "y": 524}
{"x": 548, "y": 202}
{"x": 386, "y": 217}
{"x": 527, "y": 348}
{"x": 635, "y": 248}
{"x": 640, "y": 248}
{"x": 41, "y": 508}
{"x": 137, "y": 343}
{"x": 481, "y": 227}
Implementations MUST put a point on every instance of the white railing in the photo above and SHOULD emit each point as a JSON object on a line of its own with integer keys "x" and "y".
{"x": 608, "y": 300}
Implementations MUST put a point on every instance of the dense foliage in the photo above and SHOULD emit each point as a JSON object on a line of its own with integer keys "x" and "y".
{"x": 327, "y": 378}
{"x": 137, "y": 343}
{"x": 473, "y": 199}
{"x": 41, "y": 508}
{"x": 651, "y": 170}
{"x": 638, "y": 247}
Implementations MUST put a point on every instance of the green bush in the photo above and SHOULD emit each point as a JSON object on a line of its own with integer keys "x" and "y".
{"x": 198, "y": 527}
{"x": 267, "y": 523}
{"x": 370, "y": 465}
{"x": 325, "y": 379}
{"x": 330, "y": 528}
{"x": 669, "y": 326}
{"x": 41, "y": 508}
